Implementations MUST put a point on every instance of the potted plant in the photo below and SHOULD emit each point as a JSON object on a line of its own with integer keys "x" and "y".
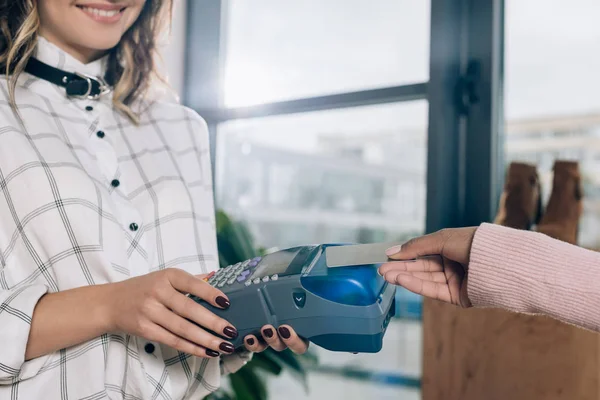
{"x": 249, "y": 383}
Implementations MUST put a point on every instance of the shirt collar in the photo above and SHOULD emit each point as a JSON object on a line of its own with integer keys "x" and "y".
{"x": 52, "y": 55}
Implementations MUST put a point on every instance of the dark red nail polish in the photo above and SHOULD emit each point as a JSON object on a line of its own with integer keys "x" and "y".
{"x": 268, "y": 332}
{"x": 230, "y": 332}
{"x": 223, "y": 302}
{"x": 250, "y": 341}
{"x": 284, "y": 332}
{"x": 227, "y": 347}
{"x": 212, "y": 353}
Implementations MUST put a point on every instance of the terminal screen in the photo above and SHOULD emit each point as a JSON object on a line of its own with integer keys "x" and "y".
{"x": 276, "y": 263}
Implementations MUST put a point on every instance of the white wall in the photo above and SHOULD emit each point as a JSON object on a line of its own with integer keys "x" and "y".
{"x": 173, "y": 52}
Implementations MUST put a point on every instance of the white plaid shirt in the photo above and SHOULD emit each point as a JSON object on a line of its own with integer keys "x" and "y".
{"x": 72, "y": 186}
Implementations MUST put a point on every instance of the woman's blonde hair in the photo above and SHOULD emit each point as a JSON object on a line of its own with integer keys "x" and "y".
{"x": 131, "y": 65}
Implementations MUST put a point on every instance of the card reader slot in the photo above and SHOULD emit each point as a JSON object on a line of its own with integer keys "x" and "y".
{"x": 267, "y": 305}
{"x": 314, "y": 261}
{"x": 267, "y": 302}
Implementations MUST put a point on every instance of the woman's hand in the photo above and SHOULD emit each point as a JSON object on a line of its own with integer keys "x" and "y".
{"x": 434, "y": 265}
{"x": 278, "y": 339}
{"x": 155, "y": 307}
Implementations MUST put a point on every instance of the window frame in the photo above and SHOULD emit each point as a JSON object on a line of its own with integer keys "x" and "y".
{"x": 465, "y": 148}
{"x": 465, "y": 123}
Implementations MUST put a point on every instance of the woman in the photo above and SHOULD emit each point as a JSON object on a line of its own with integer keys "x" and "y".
{"x": 106, "y": 214}
{"x": 499, "y": 267}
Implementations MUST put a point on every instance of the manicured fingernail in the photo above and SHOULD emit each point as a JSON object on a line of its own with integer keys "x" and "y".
{"x": 223, "y": 302}
{"x": 212, "y": 353}
{"x": 227, "y": 347}
{"x": 284, "y": 332}
{"x": 393, "y": 250}
{"x": 230, "y": 332}
{"x": 250, "y": 341}
{"x": 268, "y": 333}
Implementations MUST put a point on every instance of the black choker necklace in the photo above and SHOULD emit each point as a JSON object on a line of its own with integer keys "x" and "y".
{"x": 77, "y": 85}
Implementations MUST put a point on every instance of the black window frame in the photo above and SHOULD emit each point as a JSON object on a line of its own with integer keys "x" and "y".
{"x": 465, "y": 94}
{"x": 465, "y": 159}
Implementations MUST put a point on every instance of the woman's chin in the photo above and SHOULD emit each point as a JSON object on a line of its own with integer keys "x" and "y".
{"x": 100, "y": 43}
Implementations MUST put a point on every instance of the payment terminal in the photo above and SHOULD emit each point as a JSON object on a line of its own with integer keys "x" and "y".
{"x": 339, "y": 309}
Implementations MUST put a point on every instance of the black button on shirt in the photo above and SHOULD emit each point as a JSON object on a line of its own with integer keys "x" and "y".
{"x": 133, "y": 226}
{"x": 149, "y": 348}
{"x": 100, "y": 134}
{"x": 115, "y": 183}
{"x": 89, "y": 108}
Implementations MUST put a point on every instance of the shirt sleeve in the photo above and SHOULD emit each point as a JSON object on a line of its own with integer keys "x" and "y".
{"x": 232, "y": 363}
{"x": 16, "y": 311}
{"x": 531, "y": 273}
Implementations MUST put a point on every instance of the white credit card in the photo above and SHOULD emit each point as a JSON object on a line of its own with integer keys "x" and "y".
{"x": 357, "y": 254}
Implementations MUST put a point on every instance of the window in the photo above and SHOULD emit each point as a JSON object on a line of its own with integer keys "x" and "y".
{"x": 322, "y": 135}
{"x": 354, "y": 175}
{"x": 552, "y": 94}
{"x": 281, "y": 50}
{"x": 349, "y": 175}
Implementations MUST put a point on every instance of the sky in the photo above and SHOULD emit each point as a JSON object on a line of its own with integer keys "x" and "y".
{"x": 283, "y": 49}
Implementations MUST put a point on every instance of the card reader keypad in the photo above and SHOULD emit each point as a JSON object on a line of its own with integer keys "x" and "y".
{"x": 237, "y": 273}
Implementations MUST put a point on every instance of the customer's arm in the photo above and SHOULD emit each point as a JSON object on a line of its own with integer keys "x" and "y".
{"x": 499, "y": 267}
{"x": 531, "y": 273}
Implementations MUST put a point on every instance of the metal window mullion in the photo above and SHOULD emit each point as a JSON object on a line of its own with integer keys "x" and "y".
{"x": 203, "y": 64}
{"x": 484, "y": 149}
{"x": 444, "y": 188}
{"x": 465, "y": 154}
{"x": 385, "y": 95}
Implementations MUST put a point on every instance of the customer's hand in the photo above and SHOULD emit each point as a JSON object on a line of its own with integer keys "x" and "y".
{"x": 434, "y": 265}
{"x": 155, "y": 307}
{"x": 278, "y": 339}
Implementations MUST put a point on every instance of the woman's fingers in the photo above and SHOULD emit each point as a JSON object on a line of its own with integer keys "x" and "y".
{"x": 189, "y": 309}
{"x": 192, "y": 333}
{"x": 279, "y": 340}
{"x": 454, "y": 244}
{"x": 438, "y": 277}
{"x": 272, "y": 338}
{"x": 292, "y": 340}
{"x": 188, "y": 283}
{"x": 159, "y": 334}
{"x": 420, "y": 246}
{"x": 254, "y": 345}
{"x": 424, "y": 287}
{"x": 428, "y": 264}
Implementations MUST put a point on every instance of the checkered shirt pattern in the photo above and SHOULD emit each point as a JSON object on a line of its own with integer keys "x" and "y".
{"x": 73, "y": 180}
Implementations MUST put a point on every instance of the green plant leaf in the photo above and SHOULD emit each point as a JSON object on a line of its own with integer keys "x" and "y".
{"x": 288, "y": 358}
{"x": 310, "y": 358}
{"x": 260, "y": 360}
{"x": 248, "y": 385}
{"x": 227, "y": 252}
{"x": 222, "y": 220}
{"x": 234, "y": 240}
{"x": 241, "y": 241}
{"x": 223, "y": 261}
{"x": 289, "y": 361}
{"x": 219, "y": 395}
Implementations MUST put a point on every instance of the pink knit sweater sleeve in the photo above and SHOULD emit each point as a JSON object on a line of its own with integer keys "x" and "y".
{"x": 531, "y": 273}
